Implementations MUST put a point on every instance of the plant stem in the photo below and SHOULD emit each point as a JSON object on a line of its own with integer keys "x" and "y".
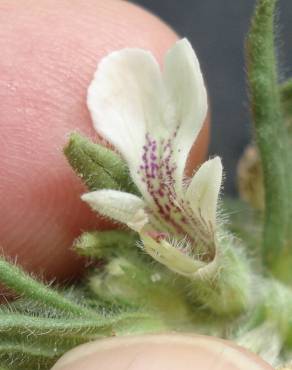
{"x": 23, "y": 324}
{"x": 21, "y": 283}
{"x": 270, "y": 130}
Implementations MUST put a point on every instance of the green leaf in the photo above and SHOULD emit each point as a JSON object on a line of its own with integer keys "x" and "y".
{"x": 20, "y": 282}
{"x": 98, "y": 166}
{"x": 28, "y": 342}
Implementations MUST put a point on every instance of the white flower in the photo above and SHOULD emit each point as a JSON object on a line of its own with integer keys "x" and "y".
{"x": 153, "y": 118}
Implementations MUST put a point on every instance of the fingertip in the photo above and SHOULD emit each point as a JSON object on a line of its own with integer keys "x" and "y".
{"x": 163, "y": 352}
{"x": 199, "y": 150}
{"x": 49, "y": 52}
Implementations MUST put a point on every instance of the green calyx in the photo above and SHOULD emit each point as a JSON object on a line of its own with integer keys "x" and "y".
{"x": 132, "y": 282}
{"x": 231, "y": 283}
{"x": 105, "y": 244}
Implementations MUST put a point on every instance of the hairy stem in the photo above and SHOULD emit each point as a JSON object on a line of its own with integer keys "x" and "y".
{"x": 270, "y": 130}
{"x": 28, "y": 325}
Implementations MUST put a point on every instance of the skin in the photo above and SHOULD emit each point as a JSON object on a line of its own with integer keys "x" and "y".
{"x": 49, "y": 52}
{"x": 161, "y": 352}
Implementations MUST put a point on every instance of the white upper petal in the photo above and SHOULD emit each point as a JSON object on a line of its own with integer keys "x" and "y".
{"x": 134, "y": 105}
{"x": 203, "y": 191}
{"x": 120, "y": 206}
{"x": 188, "y": 97}
{"x": 125, "y": 99}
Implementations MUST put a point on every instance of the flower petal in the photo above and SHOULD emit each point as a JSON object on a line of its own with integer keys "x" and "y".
{"x": 125, "y": 101}
{"x": 120, "y": 206}
{"x": 187, "y": 94}
{"x": 203, "y": 191}
{"x": 175, "y": 260}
